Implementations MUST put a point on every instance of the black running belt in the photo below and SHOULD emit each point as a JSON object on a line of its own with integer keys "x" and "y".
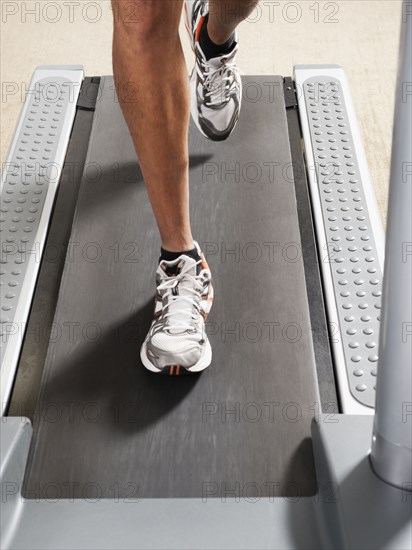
{"x": 106, "y": 427}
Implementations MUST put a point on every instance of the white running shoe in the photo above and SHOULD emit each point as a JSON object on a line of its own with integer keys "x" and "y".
{"x": 177, "y": 342}
{"x": 215, "y": 84}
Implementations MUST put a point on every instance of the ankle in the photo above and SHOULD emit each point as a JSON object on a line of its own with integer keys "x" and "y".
{"x": 172, "y": 256}
{"x": 177, "y": 245}
{"x": 215, "y": 45}
{"x": 218, "y": 34}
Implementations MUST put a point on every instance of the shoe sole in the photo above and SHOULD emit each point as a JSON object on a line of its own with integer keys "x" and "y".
{"x": 175, "y": 370}
{"x": 193, "y": 100}
{"x": 187, "y": 25}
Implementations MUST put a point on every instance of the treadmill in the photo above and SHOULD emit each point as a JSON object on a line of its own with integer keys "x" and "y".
{"x": 277, "y": 444}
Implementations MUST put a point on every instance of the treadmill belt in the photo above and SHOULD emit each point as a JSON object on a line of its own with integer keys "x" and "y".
{"x": 107, "y": 428}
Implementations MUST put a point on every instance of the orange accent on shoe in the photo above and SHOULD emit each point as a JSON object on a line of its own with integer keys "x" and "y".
{"x": 199, "y": 28}
{"x": 204, "y": 262}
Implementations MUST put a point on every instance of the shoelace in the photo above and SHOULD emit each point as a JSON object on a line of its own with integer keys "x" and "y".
{"x": 174, "y": 300}
{"x": 219, "y": 83}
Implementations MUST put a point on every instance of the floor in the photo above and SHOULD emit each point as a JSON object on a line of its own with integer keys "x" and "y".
{"x": 360, "y": 35}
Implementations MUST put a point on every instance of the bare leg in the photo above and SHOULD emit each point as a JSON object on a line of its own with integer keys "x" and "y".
{"x": 148, "y": 59}
{"x": 225, "y": 16}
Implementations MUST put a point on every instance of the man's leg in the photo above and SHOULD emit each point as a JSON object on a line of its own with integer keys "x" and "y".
{"x": 152, "y": 86}
{"x": 225, "y": 16}
{"x": 148, "y": 61}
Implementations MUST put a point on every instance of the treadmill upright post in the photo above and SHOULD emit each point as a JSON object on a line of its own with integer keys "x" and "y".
{"x": 391, "y": 454}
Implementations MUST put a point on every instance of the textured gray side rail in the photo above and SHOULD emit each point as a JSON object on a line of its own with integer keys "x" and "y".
{"x": 348, "y": 228}
{"x": 30, "y": 178}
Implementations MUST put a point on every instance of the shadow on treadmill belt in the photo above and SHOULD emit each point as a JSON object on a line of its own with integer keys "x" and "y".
{"x": 105, "y": 426}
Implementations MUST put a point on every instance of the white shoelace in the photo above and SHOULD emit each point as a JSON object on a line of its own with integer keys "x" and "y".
{"x": 219, "y": 82}
{"x": 174, "y": 301}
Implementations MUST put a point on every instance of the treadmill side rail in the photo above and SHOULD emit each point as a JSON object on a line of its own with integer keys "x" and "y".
{"x": 29, "y": 182}
{"x": 348, "y": 229}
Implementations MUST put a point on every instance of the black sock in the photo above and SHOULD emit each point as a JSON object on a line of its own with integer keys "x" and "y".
{"x": 209, "y": 48}
{"x": 170, "y": 256}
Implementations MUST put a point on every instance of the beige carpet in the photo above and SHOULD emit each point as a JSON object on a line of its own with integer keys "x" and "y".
{"x": 361, "y": 36}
